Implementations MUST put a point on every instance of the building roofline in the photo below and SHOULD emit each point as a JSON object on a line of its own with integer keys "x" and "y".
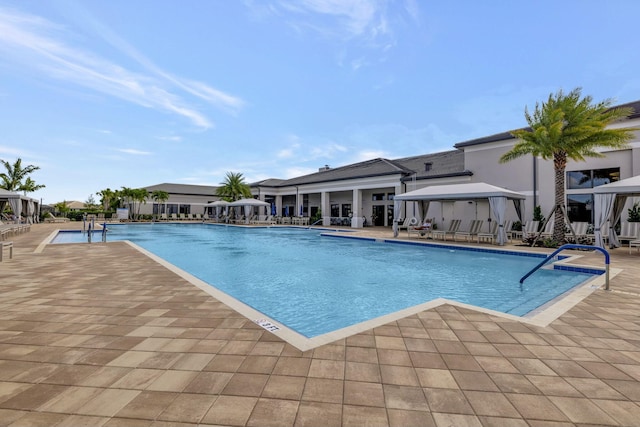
{"x": 503, "y": 136}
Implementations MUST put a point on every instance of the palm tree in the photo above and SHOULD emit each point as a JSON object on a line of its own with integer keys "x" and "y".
{"x": 139, "y": 195}
{"x": 62, "y": 207}
{"x": 233, "y": 187}
{"x": 159, "y": 197}
{"x": 12, "y": 178}
{"x": 29, "y": 186}
{"x": 569, "y": 127}
{"x": 126, "y": 197}
{"x": 109, "y": 198}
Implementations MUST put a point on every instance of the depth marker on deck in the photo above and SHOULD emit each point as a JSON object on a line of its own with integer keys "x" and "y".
{"x": 267, "y": 325}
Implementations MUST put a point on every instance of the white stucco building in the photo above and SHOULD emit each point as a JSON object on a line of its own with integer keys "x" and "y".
{"x": 364, "y": 192}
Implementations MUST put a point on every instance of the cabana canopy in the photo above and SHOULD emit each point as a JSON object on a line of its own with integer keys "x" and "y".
{"x": 248, "y": 204}
{"x": 497, "y": 196}
{"x": 608, "y": 204}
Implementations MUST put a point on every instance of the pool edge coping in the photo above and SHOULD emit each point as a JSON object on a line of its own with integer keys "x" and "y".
{"x": 541, "y": 316}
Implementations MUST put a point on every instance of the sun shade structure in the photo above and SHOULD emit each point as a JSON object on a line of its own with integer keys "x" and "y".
{"x": 20, "y": 205}
{"x": 608, "y": 204}
{"x": 248, "y": 204}
{"x": 497, "y": 196}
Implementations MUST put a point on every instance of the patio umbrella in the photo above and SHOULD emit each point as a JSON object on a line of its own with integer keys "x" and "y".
{"x": 273, "y": 209}
{"x": 286, "y": 211}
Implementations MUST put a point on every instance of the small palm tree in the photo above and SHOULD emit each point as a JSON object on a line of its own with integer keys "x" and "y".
{"x": 569, "y": 127}
{"x": 29, "y": 186}
{"x": 15, "y": 173}
{"x": 109, "y": 198}
{"x": 233, "y": 188}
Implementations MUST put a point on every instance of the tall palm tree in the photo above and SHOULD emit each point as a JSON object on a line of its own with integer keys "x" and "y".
{"x": 159, "y": 196}
{"x": 15, "y": 173}
{"x": 569, "y": 127}
{"x": 233, "y": 187}
{"x": 139, "y": 195}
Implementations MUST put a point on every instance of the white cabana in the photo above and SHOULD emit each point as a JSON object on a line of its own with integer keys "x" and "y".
{"x": 20, "y": 205}
{"x": 608, "y": 204}
{"x": 455, "y": 192}
{"x": 218, "y": 204}
{"x": 248, "y": 204}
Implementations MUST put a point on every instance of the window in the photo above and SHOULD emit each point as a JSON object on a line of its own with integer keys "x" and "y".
{"x": 428, "y": 166}
{"x": 377, "y": 197}
{"x": 335, "y": 210}
{"x": 580, "y": 207}
{"x": 591, "y": 178}
{"x": 390, "y": 196}
{"x": 346, "y": 210}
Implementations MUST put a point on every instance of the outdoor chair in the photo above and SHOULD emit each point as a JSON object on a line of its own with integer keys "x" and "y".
{"x": 423, "y": 230}
{"x": 454, "y": 226}
{"x": 491, "y": 235}
{"x": 628, "y": 231}
{"x": 529, "y": 229}
{"x": 474, "y": 228}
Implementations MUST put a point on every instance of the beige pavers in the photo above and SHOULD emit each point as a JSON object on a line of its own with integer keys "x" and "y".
{"x": 133, "y": 344}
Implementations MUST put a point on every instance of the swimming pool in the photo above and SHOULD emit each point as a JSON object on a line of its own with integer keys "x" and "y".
{"x": 316, "y": 284}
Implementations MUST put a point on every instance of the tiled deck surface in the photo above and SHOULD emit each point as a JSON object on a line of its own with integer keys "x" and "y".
{"x": 101, "y": 335}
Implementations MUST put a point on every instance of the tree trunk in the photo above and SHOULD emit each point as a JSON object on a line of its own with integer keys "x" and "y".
{"x": 559, "y": 164}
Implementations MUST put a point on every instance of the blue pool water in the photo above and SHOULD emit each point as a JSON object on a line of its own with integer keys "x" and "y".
{"x": 316, "y": 284}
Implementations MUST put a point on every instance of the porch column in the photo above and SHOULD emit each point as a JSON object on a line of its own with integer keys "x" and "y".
{"x": 356, "y": 209}
{"x": 278, "y": 202}
{"x": 326, "y": 208}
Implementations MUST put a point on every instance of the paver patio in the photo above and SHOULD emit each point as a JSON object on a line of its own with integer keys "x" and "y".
{"x": 101, "y": 335}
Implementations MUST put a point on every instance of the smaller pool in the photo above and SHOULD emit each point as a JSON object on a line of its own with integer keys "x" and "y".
{"x": 77, "y": 236}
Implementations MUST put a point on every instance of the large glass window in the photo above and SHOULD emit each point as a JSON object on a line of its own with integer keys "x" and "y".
{"x": 580, "y": 207}
{"x": 591, "y": 178}
{"x": 346, "y": 210}
{"x": 578, "y": 179}
{"x": 335, "y": 210}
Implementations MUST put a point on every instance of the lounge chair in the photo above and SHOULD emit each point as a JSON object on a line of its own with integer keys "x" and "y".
{"x": 529, "y": 229}
{"x": 634, "y": 244}
{"x": 579, "y": 230}
{"x": 547, "y": 233}
{"x": 198, "y": 217}
{"x": 423, "y": 230}
{"x": 454, "y": 226}
{"x": 491, "y": 235}
{"x": 52, "y": 218}
{"x": 474, "y": 228}
{"x": 174, "y": 217}
{"x": 628, "y": 231}
{"x": 408, "y": 222}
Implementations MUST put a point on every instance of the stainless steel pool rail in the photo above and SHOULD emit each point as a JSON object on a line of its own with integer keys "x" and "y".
{"x": 607, "y": 260}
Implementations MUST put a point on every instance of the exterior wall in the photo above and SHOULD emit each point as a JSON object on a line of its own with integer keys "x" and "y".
{"x": 532, "y": 177}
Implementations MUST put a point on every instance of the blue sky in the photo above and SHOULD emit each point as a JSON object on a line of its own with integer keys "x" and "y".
{"x": 106, "y": 94}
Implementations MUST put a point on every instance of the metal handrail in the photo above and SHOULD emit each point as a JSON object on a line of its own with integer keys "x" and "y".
{"x": 607, "y": 260}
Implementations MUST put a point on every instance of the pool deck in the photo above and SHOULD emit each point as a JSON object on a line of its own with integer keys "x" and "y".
{"x": 102, "y": 335}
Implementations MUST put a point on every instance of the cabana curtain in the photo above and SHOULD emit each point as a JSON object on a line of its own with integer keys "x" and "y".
{"x": 608, "y": 204}
{"x": 498, "y": 207}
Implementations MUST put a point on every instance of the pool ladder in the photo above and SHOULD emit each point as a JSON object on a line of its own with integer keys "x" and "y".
{"x": 573, "y": 246}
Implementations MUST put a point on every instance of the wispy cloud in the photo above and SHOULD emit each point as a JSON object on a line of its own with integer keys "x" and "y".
{"x": 133, "y": 151}
{"x": 33, "y": 42}
{"x": 365, "y": 23}
{"x": 170, "y": 138}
